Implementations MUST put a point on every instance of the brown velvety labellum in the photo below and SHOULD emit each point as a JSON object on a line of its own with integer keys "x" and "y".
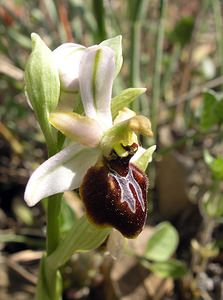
{"x": 115, "y": 194}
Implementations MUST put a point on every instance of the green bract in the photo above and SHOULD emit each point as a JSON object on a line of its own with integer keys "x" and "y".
{"x": 82, "y": 237}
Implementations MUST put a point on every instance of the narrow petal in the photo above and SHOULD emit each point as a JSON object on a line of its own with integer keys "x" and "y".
{"x": 96, "y": 75}
{"x": 124, "y": 99}
{"x": 124, "y": 115}
{"x": 81, "y": 129}
{"x": 62, "y": 172}
{"x": 143, "y": 157}
{"x": 67, "y": 58}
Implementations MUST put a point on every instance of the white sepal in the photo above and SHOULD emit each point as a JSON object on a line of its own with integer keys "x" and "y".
{"x": 96, "y": 75}
{"x": 62, "y": 172}
{"x": 67, "y": 58}
{"x": 116, "y": 45}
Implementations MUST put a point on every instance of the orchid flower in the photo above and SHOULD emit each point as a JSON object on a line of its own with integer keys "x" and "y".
{"x": 104, "y": 158}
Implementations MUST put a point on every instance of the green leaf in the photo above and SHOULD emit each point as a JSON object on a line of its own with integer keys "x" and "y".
{"x": 217, "y": 168}
{"x": 42, "y": 80}
{"x": 15, "y": 238}
{"x": 124, "y": 99}
{"x": 208, "y": 112}
{"x": 172, "y": 268}
{"x": 82, "y": 237}
{"x": 215, "y": 164}
{"x": 116, "y": 45}
{"x": 213, "y": 204}
{"x": 163, "y": 243}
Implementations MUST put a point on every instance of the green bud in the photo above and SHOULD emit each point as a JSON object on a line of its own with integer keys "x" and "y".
{"x": 42, "y": 81}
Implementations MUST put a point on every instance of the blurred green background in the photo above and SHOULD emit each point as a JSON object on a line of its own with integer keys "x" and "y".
{"x": 175, "y": 50}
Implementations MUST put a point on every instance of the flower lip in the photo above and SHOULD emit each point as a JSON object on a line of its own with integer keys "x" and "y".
{"x": 114, "y": 193}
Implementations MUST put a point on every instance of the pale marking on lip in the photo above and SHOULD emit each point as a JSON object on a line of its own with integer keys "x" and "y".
{"x": 124, "y": 184}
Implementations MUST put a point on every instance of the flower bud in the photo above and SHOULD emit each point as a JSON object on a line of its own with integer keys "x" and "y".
{"x": 114, "y": 192}
{"x": 42, "y": 85}
{"x": 41, "y": 79}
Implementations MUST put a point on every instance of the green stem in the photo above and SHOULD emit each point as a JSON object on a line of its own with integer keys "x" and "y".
{"x": 49, "y": 282}
{"x": 49, "y": 279}
{"x": 99, "y": 13}
{"x": 48, "y": 132}
{"x": 219, "y": 30}
{"x": 53, "y": 238}
{"x": 53, "y": 224}
{"x": 137, "y": 9}
{"x": 158, "y": 64}
{"x": 169, "y": 71}
{"x": 135, "y": 58}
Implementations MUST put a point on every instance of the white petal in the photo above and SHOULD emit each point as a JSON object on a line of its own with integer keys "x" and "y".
{"x": 96, "y": 75}
{"x": 62, "y": 172}
{"x": 67, "y": 58}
